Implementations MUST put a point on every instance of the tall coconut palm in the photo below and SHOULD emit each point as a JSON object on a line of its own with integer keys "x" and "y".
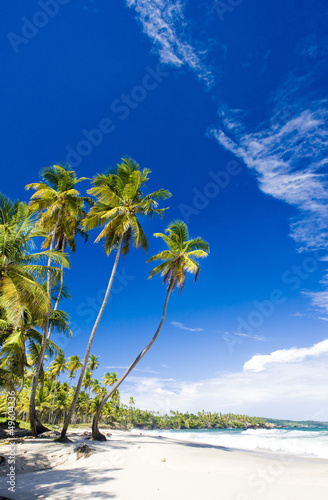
{"x": 60, "y": 207}
{"x": 119, "y": 203}
{"x": 20, "y": 268}
{"x": 20, "y": 271}
{"x": 179, "y": 258}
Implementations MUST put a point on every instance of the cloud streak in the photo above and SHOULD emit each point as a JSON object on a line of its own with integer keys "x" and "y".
{"x": 289, "y": 153}
{"x": 183, "y": 327}
{"x": 146, "y": 370}
{"x": 289, "y": 161}
{"x": 164, "y": 23}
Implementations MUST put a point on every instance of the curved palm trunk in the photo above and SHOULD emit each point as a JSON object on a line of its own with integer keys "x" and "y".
{"x": 36, "y": 426}
{"x": 69, "y": 415}
{"x": 96, "y": 434}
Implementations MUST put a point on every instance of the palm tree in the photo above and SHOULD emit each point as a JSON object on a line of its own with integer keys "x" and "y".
{"x": 57, "y": 367}
{"x": 20, "y": 269}
{"x": 95, "y": 386}
{"x": 60, "y": 209}
{"x": 93, "y": 363}
{"x": 17, "y": 341}
{"x": 86, "y": 384}
{"x": 178, "y": 259}
{"x": 59, "y": 204}
{"x": 73, "y": 365}
{"x": 110, "y": 378}
{"x": 20, "y": 272}
{"x": 119, "y": 203}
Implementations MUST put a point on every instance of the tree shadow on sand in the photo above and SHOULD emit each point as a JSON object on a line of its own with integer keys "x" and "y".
{"x": 63, "y": 484}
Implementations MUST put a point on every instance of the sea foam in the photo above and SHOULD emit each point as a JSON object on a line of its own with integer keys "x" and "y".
{"x": 301, "y": 442}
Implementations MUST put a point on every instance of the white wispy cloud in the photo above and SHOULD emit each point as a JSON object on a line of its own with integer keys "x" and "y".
{"x": 232, "y": 339}
{"x": 257, "y": 338}
{"x": 146, "y": 370}
{"x": 259, "y": 362}
{"x": 315, "y": 316}
{"x": 164, "y": 23}
{"x": 280, "y": 390}
{"x": 289, "y": 160}
{"x": 289, "y": 151}
{"x": 183, "y": 327}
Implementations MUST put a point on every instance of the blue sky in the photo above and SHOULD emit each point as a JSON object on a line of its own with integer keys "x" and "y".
{"x": 226, "y": 103}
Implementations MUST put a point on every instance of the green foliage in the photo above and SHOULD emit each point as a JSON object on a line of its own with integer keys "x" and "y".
{"x": 59, "y": 205}
{"x": 129, "y": 417}
{"x": 119, "y": 202}
{"x": 21, "y": 269}
{"x": 181, "y": 255}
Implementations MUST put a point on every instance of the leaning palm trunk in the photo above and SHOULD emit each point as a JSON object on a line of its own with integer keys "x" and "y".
{"x": 96, "y": 434}
{"x": 87, "y": 352}
{"x": 36, "y": 426}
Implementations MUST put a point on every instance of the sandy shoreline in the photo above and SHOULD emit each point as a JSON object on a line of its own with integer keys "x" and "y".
{"x": 140, "y": 467}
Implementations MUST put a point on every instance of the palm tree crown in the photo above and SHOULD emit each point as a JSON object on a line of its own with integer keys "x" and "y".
{"x": 73, "y": 365}
{"x": 181, "y": 255}
{"x": 58, "y": 365}
{"x": 110, "y": 378}
{"x": 93, "y": 363}
{"x": 119, "y": 202}
{"x": 56, "y": 199}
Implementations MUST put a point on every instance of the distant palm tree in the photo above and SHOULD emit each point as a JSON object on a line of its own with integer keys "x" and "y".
{"x": 95, "y": 386}
{"x": 57, "y": 367}
{"x": 93, "y": 363}
{"x": 73, "y": 365}
{"x": 119, "y": 203}
{"x": 109, "y": 378}
{"x": 87, "y": 384}
{"x": 179, "y": 258}
{"x": 60, "y": 209}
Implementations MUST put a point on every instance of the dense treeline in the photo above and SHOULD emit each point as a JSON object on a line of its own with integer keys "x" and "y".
{"x": 130, "y": 417}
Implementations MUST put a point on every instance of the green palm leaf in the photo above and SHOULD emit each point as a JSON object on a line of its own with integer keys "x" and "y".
{"x": 181, "y": 255}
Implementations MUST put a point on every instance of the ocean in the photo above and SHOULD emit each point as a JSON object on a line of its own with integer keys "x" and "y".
{"x": 294, "y": 442}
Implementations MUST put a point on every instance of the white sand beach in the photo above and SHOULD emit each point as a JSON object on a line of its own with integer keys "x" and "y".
{"x": 135, "y": 466}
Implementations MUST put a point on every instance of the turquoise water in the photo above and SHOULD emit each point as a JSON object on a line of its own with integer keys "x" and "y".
{"x": 300, "y": 441}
